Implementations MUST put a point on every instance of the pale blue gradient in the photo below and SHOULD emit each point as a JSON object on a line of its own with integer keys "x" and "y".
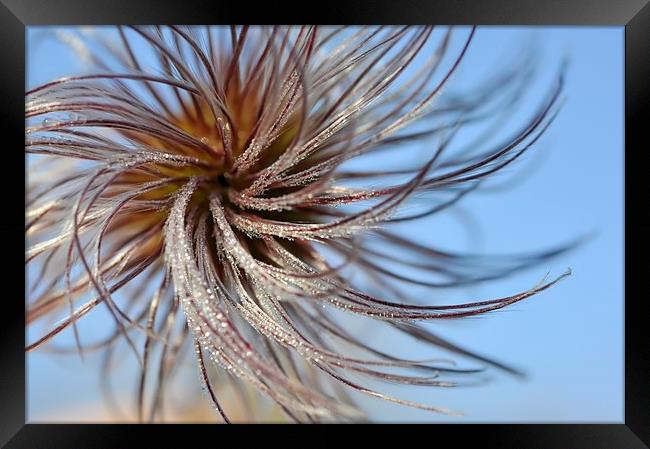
{"x": 569, "y": 339}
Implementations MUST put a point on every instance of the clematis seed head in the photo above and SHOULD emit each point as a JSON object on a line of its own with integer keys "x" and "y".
{"x": 216, "y": 190}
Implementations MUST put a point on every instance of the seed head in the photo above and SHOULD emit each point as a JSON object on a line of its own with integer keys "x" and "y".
{"x": 222, "y": 181}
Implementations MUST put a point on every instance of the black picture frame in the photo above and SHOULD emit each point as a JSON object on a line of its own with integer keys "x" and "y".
{"x": 634, "y": 15}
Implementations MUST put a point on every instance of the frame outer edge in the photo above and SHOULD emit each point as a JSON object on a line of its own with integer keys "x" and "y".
{"x": 637, "y": 108}
{"x": 12, "y": 221}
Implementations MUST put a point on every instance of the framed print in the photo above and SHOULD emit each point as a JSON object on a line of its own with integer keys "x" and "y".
{"x": 417, "y": 214}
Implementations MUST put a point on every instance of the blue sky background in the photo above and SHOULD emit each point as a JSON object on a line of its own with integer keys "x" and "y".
{"x": 569, "y": 339}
